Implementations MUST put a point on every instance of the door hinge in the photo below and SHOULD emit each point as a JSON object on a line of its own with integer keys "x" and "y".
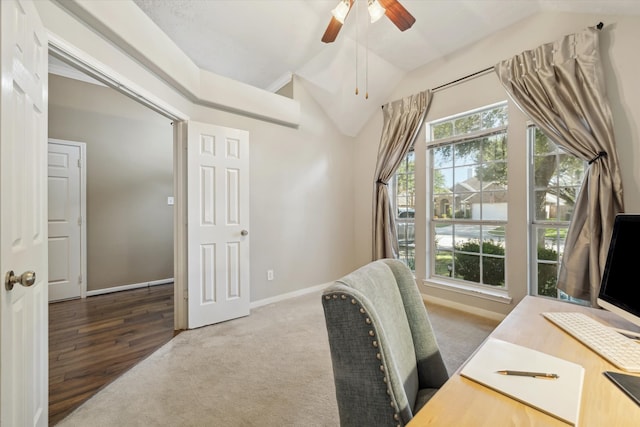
{"x": 80, "y": 279}
{"x": 80, "y": 163}
{"x": 80, "y": 221}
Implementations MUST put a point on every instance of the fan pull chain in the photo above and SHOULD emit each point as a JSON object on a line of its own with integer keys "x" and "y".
{"x": 357, "y": 32}
{"x": 366, "y": 65}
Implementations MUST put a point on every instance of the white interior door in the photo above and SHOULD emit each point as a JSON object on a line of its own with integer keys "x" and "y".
{"x": 218, "y": 223}
{"x": 23, "y": 216}
{"x": 66, "y": 219}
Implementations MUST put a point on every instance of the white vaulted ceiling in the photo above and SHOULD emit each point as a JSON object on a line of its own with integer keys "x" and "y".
{"x": 264, "y": 42}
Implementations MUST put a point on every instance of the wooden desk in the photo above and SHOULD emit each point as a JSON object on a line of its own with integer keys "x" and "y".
{"x": 462, "y": 402}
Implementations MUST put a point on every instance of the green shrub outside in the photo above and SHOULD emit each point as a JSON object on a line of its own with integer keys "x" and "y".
{"x": 467, "y": 265}
{"x": 547, "y": 273}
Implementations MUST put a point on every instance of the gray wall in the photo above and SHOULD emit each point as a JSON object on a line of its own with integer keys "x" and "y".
{"x": 129, "y": 177}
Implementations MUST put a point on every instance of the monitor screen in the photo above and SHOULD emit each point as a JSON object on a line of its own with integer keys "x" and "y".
{"x": 620, "y": 287}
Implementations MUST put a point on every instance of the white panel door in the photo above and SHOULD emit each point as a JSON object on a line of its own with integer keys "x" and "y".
{"x": 66, "y": 219}
{"x": 218, "y": 223}
{"x": 23, "y": 216}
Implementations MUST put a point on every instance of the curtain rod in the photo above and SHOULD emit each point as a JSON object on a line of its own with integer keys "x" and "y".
{"x": 451, "y": 83}
{"x": 477, "y": 73}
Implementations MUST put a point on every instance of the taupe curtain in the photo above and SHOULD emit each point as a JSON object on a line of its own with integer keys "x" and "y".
{"x": 402, "y": 122}
{"x": 561, "y": 87}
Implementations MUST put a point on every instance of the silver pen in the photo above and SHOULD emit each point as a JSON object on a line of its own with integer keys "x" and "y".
{"x": 543, "y": 375}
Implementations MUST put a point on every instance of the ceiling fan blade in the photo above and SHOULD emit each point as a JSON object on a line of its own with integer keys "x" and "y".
{"x": 332, "y": 31}
{"x": 398, "y": 14}
{"x": 334, "y": 26}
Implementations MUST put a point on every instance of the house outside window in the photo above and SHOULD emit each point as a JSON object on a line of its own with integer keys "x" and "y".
{"x": 556, "y": 176}
{"x": 467, "y": 174}
{"x": 404, "y": 198}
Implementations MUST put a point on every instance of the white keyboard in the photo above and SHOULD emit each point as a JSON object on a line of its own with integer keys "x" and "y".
{"x": 621, "y": 351}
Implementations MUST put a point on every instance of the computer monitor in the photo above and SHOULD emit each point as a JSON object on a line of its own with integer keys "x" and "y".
{"x": 620, "y": 287}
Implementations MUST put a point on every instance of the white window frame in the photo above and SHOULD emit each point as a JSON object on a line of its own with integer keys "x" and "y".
{"x": 535, "y": 224}
{"x": 495, "y": 293}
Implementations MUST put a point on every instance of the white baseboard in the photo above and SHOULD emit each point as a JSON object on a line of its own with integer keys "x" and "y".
{"x": 129, "y": 287}
{"x": 288, "y": 295}
{"x": 463, "y": 307}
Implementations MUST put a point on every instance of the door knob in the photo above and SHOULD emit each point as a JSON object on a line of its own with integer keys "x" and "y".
{"x": 244, "y": 232}
{"x": 26, "y": 279}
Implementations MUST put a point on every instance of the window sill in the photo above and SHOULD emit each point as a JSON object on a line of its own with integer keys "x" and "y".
{"x": 500, "y": 296}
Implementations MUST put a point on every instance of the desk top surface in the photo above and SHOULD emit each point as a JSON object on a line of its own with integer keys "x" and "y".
{"x": 462, "y": 402}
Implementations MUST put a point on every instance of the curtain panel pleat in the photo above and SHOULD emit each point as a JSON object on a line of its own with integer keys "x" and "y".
{"x": 561, "y": 87}
{"x": 402, "y": 122}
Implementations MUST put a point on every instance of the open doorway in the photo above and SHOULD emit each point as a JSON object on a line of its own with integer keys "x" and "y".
{"x": 130, "y": 227}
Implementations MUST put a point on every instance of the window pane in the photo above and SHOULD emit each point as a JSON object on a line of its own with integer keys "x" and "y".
{"x": 493, "y": 250}
{"x": 444, "y": 263}
{"x": 467, "y": 267}
{"x": 442, "y": 130}
{"x": 464, "y": 177}
{"x": 542, "y": 144}
{"x": 571, "y": 170}
{"x": 494, "y": 118}
{"x": 545, "y": 168}
{"x": 462, "y": 205}
{"x": 547, "y": 278}
{"x": 494, "y": 206}
{"x": 543, "y": 205}
{"x": 494, "y": 233}
{"x": 547, "y": 244}
{"x": 443, "y": 237}
{"x": 442, "y": 206}
{"x": 442, "y": 181}
{"x": 442, "y": 157}
{"x": 493, "y": 271}
{"x": 495, "y": 148}
{"x": 467, "y": 153}
{"x": 466, "y": 237}
{"x": 468, "y": 124}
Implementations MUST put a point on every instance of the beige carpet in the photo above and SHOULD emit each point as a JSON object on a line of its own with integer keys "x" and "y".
{"x": 272, "y": 368}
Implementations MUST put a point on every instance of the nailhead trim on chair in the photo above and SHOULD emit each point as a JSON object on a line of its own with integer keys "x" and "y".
{"x": 374, "y": 343}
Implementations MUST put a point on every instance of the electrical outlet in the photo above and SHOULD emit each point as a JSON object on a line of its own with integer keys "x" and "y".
{"x": 269, "y": 274}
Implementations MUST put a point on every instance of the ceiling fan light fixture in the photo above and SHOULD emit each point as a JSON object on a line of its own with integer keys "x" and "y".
{"x": 341, "y": 10}
{"x": 376, "y": 11}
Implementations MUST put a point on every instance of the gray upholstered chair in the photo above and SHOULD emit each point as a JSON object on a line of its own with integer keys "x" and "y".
{"x": 386, "y": 361}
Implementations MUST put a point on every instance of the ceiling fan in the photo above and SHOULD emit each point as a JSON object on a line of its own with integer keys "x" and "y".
{"x": 392, "y": 8}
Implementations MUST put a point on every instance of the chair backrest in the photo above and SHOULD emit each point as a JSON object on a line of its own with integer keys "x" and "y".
{"x": 382, "y": 346}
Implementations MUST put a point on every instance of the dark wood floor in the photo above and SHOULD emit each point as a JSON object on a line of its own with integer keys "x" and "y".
{"x": 95, "y": 340}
